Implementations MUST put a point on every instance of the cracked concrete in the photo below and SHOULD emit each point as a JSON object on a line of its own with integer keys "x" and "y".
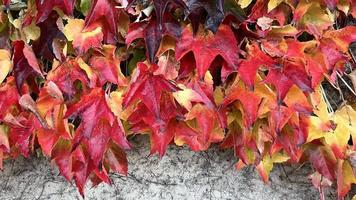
{"x": 180, "y": 174}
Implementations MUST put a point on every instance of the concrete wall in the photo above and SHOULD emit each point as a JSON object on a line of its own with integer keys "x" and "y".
{"x": 181, "y": 174}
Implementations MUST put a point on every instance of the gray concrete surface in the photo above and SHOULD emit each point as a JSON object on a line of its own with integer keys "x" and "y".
{"x": 181, "y": 174}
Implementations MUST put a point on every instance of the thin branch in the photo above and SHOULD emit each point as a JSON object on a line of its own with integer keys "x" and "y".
{"x": 347, "y": 85}
{"x": 15, "y": 7}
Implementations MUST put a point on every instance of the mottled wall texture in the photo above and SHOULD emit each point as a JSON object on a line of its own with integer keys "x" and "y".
{"x": 180, "y": 174}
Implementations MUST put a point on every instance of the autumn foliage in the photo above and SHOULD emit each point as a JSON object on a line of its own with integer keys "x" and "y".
{"x": 80, "y": 77}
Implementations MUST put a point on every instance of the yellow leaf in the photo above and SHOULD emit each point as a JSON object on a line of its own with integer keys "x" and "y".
{"x": 115, "y": 102}
{"x": 32, "y": 32}
{"x": 244, "y": 3}
{"x": 344, "y": 6}
{"x": 87, "y": 70}
{"x": 279, "y": 31}
{"x": 4, "y": 140}
{"x": 315, "y": 17}
{"x": 218, "y": 95}
{"x": 5, "y": 64}
{"x": 73, "y": 28}
{"x": 345, "y": 120}
{"x": 272, "y": 4}
{"x": 186, "y": 96}
{"x": 266, "y": 165}
{"x": 345, "y": 177}
{"x": 279, "y": 158}
{"x": 317, "y": 128}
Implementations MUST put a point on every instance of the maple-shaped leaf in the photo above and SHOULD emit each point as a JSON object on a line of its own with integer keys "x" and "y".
{"x": 116, "y": 158}
{"x": 241, "y": 141}
{"x": 106, "y": 64}
{"x": 156, "y": 108}
{"x": 206, "y": 47}
{"x": 81, "y": 169}
{"x": 22, "y": 128}
{"x": 91, "y": 108}
{"x": 342, "y": 37}
{"x": 345, "y": 178}
{"x": 280, "y": 81}
{"x": 98, "y": 125}
{"x": 161, "y": 125}
{"x": 288, "y": 140}
{"x": 279, "y": 117}
{"x": 323, "y": 160}
{"x": 76, "y": 165}
{"x": 66, "y": 74}
{"x": 44, "y": 8}
{"x": 312, "y": 17}
{"x": 205, "y": 89}
{"x": 104, "y": 14}
{"x": 152, "y": 32}
{"x": 266, "y": 165}
{"x": 338, "y": 138}
{"x": 315, "y": 69}
{"x": 83, "y": 39}
{"x": 255, "y": 59}
{"x": 25, "y": 64}
{"x": 9, "y": 96}
{"x": 50, "y": 106}
{"x": 296, "y": 72}
{"x": 250, "y": 103}
{"x": 61, "y": 155}
{"x": 205, "y": 132}
{"x": 148, "y": 88}
{"x": 334, "y": 47}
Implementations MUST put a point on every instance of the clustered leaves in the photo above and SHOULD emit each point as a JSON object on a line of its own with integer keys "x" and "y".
{"x": 79, "y": 77}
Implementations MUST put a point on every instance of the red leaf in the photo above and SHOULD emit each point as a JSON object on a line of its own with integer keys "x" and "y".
{"x": 148, "y": 88}
{"x": 280, "y": 81}
{"x": 160, "y": 125}
{"x": 107, "y": 66}
{"x": 255, "y": 59}
{"x": 103, "y": 13}
{"x": 117, "y": 160}
{"x": 50, "y": 105}
{"x": 22, "y": 128}
{"x": 249, "y": 101}
{"x": 295, "y": 71}
{"x": 279, "y": 116}
{"x": 65, "y": 75}
{"x": 44, "y": 8}
{"x": 152, "y": 32}
{"x": 206, "y": 47}
{"x": 47, "y": 139}
{"x": 61, "y": 155}
{"x": 206, "y": 132}
{"x": 25, "y": 64}
{"x": 323, "y": 161}
{"x": 91, "y": 108}
{"x": 9, "y": 96}
{"x": 6, "y": 2}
